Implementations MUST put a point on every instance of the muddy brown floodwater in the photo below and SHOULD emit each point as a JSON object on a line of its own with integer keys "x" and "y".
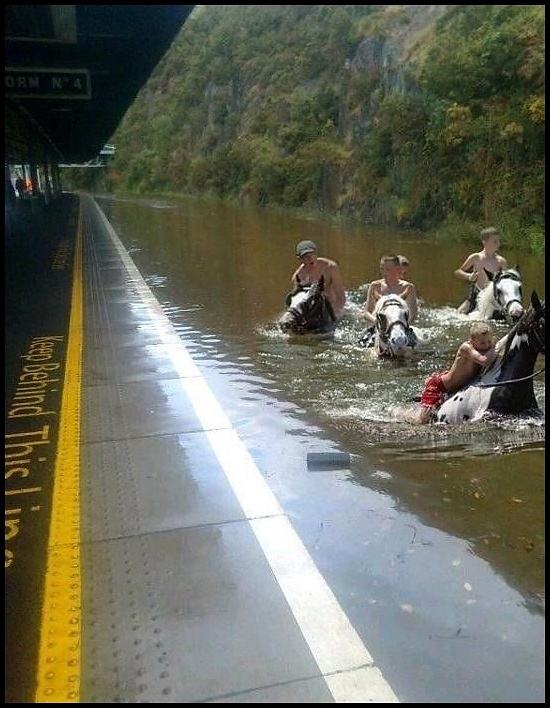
{"x": 221, "y": 273}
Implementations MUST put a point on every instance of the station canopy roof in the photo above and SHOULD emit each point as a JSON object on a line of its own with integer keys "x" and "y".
{"x": 72, "y": 71}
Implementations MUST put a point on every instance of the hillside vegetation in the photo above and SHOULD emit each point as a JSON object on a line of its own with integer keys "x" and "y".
{"x": 414, "y": 115}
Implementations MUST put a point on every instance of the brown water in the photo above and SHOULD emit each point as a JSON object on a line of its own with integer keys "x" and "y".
{"x": 221, "y": 273}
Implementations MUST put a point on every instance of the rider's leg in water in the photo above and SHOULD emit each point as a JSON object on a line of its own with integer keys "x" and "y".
{"x": 426, "y": 414}
{"x": 411, "y": 337}
{"x": 433, "y": 395}
{"x": 469, "y": 305}
{"x": 367, "y": 338}
{"x": 417, "y": 415}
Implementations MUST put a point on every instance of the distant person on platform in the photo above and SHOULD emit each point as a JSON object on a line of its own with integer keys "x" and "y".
{"x": 312, "y": 267}
{"x": 20, "y": 187}
{"x": 472, "y": 270}
{"x": 391, "y": 283}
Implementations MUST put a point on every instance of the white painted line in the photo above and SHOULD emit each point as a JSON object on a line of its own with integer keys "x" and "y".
{"x": 343, "y": 659}
{"x": 366, "y": 685}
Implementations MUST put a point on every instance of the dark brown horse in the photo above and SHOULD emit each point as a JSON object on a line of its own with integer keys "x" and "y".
{"x": 308, "y": 310}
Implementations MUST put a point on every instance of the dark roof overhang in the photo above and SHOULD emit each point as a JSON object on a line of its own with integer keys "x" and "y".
{"x": 72, "y": 71}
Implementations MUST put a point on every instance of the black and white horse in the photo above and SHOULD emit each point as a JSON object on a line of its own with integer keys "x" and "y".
{"x": 500, "y": 298}
{"x": 507, "y": 386}
{"x": 308, "y": 310}
{"x": 392, "y": 335}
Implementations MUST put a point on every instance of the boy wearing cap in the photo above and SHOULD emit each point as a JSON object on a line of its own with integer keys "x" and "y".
{"x": 312, "y": 267}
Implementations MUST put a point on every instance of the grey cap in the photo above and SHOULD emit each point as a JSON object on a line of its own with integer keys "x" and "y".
{"x": 305, "y": 247}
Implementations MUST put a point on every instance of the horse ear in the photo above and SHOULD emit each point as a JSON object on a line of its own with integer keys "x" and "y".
{"x": 322, "y": 283}
{"x": 516, "y": 267}
{"x": 489, "y": 274}
{"x": 298, "y": 282}
{"x": 535, "y": 301}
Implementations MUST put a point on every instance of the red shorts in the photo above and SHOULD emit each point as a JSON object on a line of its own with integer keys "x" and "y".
{"x": 434, "y": 393}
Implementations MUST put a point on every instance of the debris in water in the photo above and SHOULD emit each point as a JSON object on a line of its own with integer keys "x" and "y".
{"x": 328, "y": 460}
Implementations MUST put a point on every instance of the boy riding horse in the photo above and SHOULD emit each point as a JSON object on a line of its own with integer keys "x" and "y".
{"x": 474, "y": 267}
{"x": 390, "y": 283}
{"x": 312, "y": 267}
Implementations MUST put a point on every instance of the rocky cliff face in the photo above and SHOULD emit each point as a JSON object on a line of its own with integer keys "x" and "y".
{"x": 388, "y": 58}
{"x": 327, "y": 107}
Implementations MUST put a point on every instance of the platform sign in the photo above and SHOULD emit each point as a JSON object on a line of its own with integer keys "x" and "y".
{"x": 29, "y": 82}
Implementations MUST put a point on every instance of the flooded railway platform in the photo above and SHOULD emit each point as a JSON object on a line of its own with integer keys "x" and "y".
{"x": 158, "y": 552}
{"x": 146, "y": 558}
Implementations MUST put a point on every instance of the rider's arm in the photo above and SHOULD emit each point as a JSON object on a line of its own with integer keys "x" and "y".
{"x": 294, "y": 278}
{"x": 411, "y": 300}
{"x": 338, "y": 288}
{"x": 369, "y": 305}
{"x": 503, "y": 263}
{"x": 481, "y": 359}
{"x": 467, "y": 265}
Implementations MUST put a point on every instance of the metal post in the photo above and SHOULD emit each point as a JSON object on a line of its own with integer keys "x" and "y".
{"x": 47, "y": 186}
{"x": 9, "y": 204}
{"x": 57, "y": 174}
{"x": 55, "y": 191}
{"x": 34, "y": 180}
{"x": 35, "y": 194}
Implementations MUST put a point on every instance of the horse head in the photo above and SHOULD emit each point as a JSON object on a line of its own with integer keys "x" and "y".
{"x": 507, "y": 293}
{"x": 392, "y": 324}
{"x": 307, "y": 309}
{"x": 536, "y": 324}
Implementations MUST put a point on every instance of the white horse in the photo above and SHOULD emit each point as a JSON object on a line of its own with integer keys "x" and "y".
{"x": 500, "y": 298}
{"x": 507, "y": 386}
{"x": 393, "y": 336}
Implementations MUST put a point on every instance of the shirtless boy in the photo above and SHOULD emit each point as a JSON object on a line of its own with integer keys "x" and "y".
{"x": 312, "y": 267}
{"x": 390, "y": 284}
{"x": 475, "y": 353}
{"x": 472, "y": 268}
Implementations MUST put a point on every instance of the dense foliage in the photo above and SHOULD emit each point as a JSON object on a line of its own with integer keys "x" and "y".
{"x": 315, "y": 106}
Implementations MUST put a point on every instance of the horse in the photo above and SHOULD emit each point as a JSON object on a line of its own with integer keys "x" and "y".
{"x": 507, "y": 386}
{"x": 500, "y": 298}
{"x": 392, "y": 335}
{"x": 308, "y": 310}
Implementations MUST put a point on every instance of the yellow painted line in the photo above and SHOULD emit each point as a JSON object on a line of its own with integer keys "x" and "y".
{"x": 58, "y": 673}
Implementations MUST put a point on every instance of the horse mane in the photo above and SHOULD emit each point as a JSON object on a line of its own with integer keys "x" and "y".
{"x": 521, "y": 327}
{"x": 384, "y": 298}
{"x": 484, "y": 299}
